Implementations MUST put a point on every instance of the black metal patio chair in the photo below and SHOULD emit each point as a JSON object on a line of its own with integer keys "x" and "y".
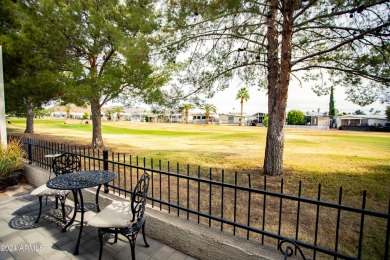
{"x": 64, "y": 164}
{"x": 124, "y": 217}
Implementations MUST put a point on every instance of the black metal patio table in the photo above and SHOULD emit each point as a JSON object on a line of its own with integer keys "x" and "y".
{"x": 76, "y": 182}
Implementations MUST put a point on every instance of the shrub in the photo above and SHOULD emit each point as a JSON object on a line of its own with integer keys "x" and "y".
{"x": 11, "y": 159}
{"x": 265, "y": 121}
{"x": 85, "y": 116}
{"x": 295, "y": 117}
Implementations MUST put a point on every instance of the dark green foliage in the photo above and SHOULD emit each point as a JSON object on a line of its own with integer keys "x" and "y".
{"x": 31, "y": 65}
{"x": 359, "y": 112}
{"x": 102, "y": 50}
{"x": 265, "y": 121}
{"x": 388, "y": 113}
{"x": 295, "y": 117}
{"x": 332, "y": 109}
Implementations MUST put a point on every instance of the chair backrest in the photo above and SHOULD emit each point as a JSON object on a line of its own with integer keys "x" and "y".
{"x": 66, "y": 163}
{"x": 138, "y": 198}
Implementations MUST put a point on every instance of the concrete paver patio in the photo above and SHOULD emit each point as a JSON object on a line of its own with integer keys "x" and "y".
{"x": 21, "y": 238}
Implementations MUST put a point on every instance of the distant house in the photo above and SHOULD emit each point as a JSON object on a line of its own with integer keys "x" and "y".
{"x": 75, "y": 112}
{"x": 314, "y": 122}
{"x": 231, "y": 119}
{"x": 200, "y": 118}
{"x": 176, "y": 118}
{"x": 166, "y": 118}
{"x": 319, "y": 121}
{"x": 361, "y": 120}
{"x": 256, "y": 119}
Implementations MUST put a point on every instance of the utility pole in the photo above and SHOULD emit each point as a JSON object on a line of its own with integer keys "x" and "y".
{"x": 3, "y": 129}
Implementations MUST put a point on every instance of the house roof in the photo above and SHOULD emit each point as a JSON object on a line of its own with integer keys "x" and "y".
{"x": 381, "y": 117}
{"x": 261, "y": 113}
{"x": 319, "y": 116}
{"x": 232, "y": 114}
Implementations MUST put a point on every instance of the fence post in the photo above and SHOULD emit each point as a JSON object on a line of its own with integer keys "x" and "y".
{"x": 29, "y": 150}
{"x": 105, "y": 160}
{"x": 105, "y": 167}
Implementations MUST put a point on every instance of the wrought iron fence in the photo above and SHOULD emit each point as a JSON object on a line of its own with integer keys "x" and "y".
{"x": 236, "y": 204}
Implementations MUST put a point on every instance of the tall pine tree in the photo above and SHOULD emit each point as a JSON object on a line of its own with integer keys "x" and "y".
{"x": 332, "y": 108}
{"x": 264, "y": 43}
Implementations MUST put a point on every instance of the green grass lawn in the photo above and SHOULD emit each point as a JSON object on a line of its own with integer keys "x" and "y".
{"x": 355, "y": 160}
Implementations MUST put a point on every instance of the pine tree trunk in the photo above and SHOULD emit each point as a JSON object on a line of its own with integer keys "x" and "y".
{"x": 97, "y": 140}
{"x": 187, "y": 112}
{"x": 278, "y": 82}
{"x": 29, "y": 117}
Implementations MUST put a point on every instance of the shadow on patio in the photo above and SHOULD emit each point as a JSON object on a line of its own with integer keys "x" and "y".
{"x": 21, "y": 238}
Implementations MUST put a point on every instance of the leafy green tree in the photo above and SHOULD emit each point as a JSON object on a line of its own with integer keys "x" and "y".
{"x": 388, "y": 113}
{"x": 40, "y": 112}
{"x": 209, "y": 108}
{"x": 29, "y": 69}
{"x": 186, "y": 108}
{"x": 108, "y": 48}
{"x": 264, "y": 42}
{"x": 243, "y": 95}
{"x": 295, "y": 117}
{"x": 86, "y": 115}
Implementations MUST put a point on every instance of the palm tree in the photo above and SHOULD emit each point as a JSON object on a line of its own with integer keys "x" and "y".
{"x": 187, "y": 108}
{"x": 109, "y": 113}
{"x": 67, "y": 109}
{"x": 242, "y": 94}
{"x": 118, "y": 110}
{"x": 209, "y": 108}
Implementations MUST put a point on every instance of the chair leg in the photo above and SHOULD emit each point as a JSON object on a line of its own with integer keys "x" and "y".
{"x": 56, "y": 203}
{"x": 116, "y": 235}
{"x": 101, "y": 234}
{"x": 40, "y": 209}
{"x": 132, "y": 247}
{"x": 132, "y": 237}
{"x": 143, "y": 234}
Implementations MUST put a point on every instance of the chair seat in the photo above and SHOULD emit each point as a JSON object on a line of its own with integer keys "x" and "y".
{"x": 116, "y": 215}
{"x": 45, "y": 191}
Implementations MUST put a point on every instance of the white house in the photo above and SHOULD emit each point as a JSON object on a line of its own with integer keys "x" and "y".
{"x": 200, "y": 118}
{"x": 74, "y": 111}
{"x": 319, "y": 121}
{"x": 136, "y": 114}
{"x": 231, "y": 119}
{"x": 256, "y": 119}
{"x": 361, "y": 120}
